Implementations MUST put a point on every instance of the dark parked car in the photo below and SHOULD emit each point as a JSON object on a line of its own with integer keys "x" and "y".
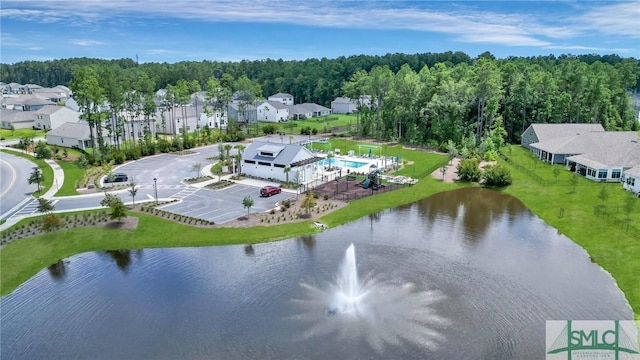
{"x": 270, "y": 190}
{"x": 117, "y": 177}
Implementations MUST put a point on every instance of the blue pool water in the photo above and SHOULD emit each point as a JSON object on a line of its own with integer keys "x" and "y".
{"x": 342, "y": 163}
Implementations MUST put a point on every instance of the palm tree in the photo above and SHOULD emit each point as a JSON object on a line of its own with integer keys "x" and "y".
{"x": 44, "y": 206}
{"x": 286, "y": 171}
{"x": 133, "y": 191}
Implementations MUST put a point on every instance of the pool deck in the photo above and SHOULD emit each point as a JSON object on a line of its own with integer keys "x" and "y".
{"x": 379, "y": 162}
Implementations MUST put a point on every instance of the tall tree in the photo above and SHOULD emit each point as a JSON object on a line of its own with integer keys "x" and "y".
{"x": 89, "y": 95}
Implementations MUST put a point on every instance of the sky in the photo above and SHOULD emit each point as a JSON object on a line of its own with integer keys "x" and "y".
{"x": 220, "y": 30}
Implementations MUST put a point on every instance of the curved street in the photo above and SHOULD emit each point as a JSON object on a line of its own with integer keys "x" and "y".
{"x": 168, "y": 170}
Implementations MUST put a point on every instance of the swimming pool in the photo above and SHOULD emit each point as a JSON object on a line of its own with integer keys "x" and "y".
{"x": 343, "y": 163}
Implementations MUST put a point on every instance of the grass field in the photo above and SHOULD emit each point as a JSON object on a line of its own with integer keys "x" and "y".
{"x": 72, "y": 174}
{"x": 19, "y": 133}
{"x": 572, "y": 212}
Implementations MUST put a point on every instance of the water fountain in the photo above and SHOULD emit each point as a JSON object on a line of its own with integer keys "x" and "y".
{"x": 378, "y": 312}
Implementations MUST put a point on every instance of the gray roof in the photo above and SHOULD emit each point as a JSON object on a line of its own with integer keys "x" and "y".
{"x": 281, "y": 95}
{"x": 634, "y": 171}
{"x": 276, "y": 104}
{"x": 16, "y": 116}
{"x": 78, "y": 131}
{"x": 584, "y": 142}
{"x": 297, "y": 109}
{"x": 49, "y": 109}
{"x": 314, "y": 107}
{"x": 552, "y": 131}
{"x": 287, "y": 154}
{"x": 342, "y": 100}
{"x": 624, "y": 153}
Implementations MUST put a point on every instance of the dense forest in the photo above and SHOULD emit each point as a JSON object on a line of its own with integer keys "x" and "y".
{"x": 419, "y": 98}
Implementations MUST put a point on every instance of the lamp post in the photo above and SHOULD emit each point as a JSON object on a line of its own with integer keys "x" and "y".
{"x": 155, "y": 188}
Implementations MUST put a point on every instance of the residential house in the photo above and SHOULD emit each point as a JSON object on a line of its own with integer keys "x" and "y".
{"x": 542, "y": 132}
{"x": 52, "y": 116}
{"x": 631, "y": 180}
{"x": 286, "y": 99}
{"x": 177, "y": 120}
{"x": 29, "y": 102}
{"x": 557, "y": 150}
{"x": 16, "y": 119}
{"x": 73, "y": 135}
{"x": 611, "y": 154}
{"x": 272, "y": 111}
{"x": 297, "y": 112}
{"x": 268, "y": 161}
{"x": 56, "y": 94}
{"x": 243, "y": 112}
{"x": 343, "y": 105}
{"x": 315, "y": 109}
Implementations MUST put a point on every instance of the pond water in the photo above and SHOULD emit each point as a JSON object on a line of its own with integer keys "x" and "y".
{"x": 467, "y": 274}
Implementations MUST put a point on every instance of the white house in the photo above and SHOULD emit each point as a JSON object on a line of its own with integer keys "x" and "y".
{"x": 286, "y": 99}
{"x": 631, "y": 180}
{"x": 268, "y": 161}
{"x": 272, "y": 111}
{"x": 52, "y": 116}
{"x": 73, "y": 135}
{"x": 613, "y": 153}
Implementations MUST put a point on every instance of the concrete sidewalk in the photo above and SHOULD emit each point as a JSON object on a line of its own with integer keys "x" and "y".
{"x": 58, "y": 173}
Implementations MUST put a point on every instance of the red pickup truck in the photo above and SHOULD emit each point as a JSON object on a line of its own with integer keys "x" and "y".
{"x": 270, "y": 190}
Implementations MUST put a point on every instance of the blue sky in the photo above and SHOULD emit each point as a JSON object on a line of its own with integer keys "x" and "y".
{"x": 195, "y": 30}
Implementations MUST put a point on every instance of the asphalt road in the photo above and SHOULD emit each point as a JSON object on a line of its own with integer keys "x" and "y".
{"x": 169, "y": 171}
{"x": 14, "y": 187}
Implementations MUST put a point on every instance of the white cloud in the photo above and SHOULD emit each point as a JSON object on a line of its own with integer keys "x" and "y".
{"x": 617, "y": 19}
{"x": 464, "y": 23}
{"x": 85, "y": 42}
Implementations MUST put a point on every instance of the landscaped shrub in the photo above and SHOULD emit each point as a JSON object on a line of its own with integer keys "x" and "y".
{"x": 469, "y": 170}
{"x": 496, "y": 175}
{"x": 269, "y": 129}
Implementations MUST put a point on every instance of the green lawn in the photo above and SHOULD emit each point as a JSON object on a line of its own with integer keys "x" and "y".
{"x": 322, "y": 124}
{"x": 47, "y": 171}
{"x": 610, "y": 246}
{"x": 19, "y": 133}
{"x": 72, "y": 174}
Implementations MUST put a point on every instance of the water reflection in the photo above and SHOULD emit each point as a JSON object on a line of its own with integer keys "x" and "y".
{"x": 499, "y": 281}
{"x": 308, "y": 240}
{"x": 123, "y": 257}
{"x": 58, "y": 271}
{"x": 476, "y": 209}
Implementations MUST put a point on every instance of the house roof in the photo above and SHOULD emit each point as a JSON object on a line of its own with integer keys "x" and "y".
{"x": 280, "y": 96}
{"x": 342, "y": 100}
{"x": 276, "y": 104}
{"x": 314, "y": 107}
{"x": 49, "y": 109}
{"x": 584, "y": 142}
{"x": 624, "y": 153}
{"x": 78, "y": 131}
{"x": 552, "y": 131}
{"x": 16, "y": 116}
{"x": 297, "y": 109}
{"x": 634, "y": 171}
{"x": 287, "y": 154}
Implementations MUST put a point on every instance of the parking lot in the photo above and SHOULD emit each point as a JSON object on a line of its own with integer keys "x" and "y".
{"x": 224, "y": 205}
